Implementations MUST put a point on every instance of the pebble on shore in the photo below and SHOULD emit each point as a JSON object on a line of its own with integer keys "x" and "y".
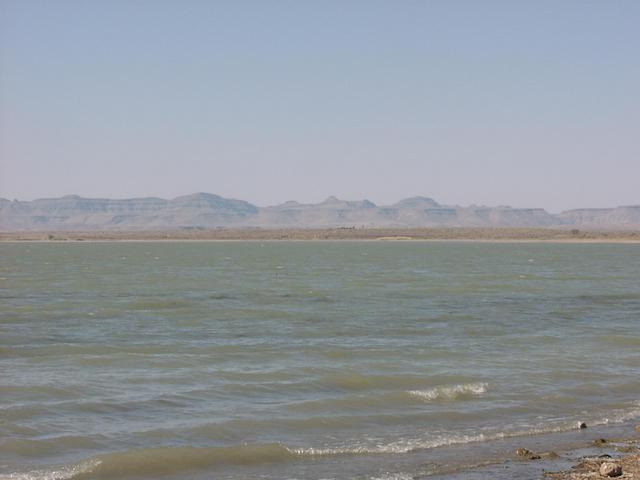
{"x": 609, "y": 469}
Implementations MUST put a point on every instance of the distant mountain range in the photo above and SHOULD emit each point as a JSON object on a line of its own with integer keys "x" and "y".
{"x": 205, "y": 210}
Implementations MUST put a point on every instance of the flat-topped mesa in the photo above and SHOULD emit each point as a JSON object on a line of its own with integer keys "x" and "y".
{"x": 508, "y": 217}
{"x": 623, "y": 216}
{"x": 210, "y": 201}
{"x": 333, "y": 201}
{"x": 288, "y": 204}
{"x": 74, "y": 205}
{"x": 416, "y": 203}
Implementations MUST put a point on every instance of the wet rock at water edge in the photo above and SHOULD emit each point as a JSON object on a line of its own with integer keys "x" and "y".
{"x": 609, "y": 469}
{"x": 528, "y": 454}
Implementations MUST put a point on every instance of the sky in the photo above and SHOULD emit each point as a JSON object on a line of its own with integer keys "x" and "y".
{"x": 522, "y": 103}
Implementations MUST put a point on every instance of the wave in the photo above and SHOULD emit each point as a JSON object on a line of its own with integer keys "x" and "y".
{"x": 617, "y": 341}
{"x": 65, "y": 472}
{"x": 156, "y": 462}
{"x": 359, "y": 402}
{"x": 159, "y": 303}
{"x": 446, "y": 438}
{"x": 453, "y": 392}
{"x": 395, "y": 476}
{"x": 26, "y": 447}
{"x": 354, "y": 381}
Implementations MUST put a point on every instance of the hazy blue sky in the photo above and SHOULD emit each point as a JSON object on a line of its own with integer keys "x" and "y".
{"x": 531, "y": 103}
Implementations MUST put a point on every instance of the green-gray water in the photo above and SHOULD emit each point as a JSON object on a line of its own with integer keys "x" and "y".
{"x": 305, "y": 360}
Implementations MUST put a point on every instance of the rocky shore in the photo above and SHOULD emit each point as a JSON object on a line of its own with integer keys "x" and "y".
{"x": 604, "y": 458}
{"x": 603, "y": 453}
{"x": 619, "y": 459}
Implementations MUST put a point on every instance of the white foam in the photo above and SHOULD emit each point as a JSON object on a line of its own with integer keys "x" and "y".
{"x": 59, "y": 473}
{"x": 394, "y": 476}
{"x": 450, "y": 392}
{"x": 402, "y": 446}
{"x": 408, "y": 445}
{"x": 620, "y": 415}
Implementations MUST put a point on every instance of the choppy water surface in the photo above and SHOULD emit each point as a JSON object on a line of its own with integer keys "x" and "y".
{"x": 305, "y": 360}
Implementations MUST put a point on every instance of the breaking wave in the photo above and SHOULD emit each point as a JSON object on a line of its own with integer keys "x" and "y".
{"x": 66, "y": 472}
{"x": 453, "y": 392}
{"x": 157, "y": 462}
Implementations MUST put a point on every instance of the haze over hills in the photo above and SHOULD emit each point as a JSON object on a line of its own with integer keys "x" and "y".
{"x": 205, "y": 210}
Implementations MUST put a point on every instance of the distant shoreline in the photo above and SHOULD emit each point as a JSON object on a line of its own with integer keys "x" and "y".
{"x": 490, "y": 235}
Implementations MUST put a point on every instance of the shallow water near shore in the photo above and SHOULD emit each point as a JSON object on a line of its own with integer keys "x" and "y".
{"x": 310, "y": 360}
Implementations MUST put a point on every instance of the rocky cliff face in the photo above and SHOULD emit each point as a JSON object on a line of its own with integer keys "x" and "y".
{"x": 205, "y": 210}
